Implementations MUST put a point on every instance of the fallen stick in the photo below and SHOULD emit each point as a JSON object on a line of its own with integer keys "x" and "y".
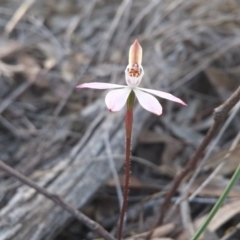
{"x": 220, "y": 115}
{"x": 94, "y": 226}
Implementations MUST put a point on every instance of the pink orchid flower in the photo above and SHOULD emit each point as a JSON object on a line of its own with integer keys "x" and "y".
{"x": 116, "y": 99}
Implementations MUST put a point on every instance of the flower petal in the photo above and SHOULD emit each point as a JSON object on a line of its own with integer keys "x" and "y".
{"x": 164, "y": 95}
{"x": 100, "y": 85}
{"x": 116, "y": 99}
{"x": 148, "y": 102}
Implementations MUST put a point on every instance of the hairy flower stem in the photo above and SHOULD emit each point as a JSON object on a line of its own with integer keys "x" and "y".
{"x": 128, "y": 129}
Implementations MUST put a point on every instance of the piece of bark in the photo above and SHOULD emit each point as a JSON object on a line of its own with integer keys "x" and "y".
{"x": 76, "y": 176}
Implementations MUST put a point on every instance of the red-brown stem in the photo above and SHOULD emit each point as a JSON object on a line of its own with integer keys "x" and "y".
{"x": 128, "y": 129}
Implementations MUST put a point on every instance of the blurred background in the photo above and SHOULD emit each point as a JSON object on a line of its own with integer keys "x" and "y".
{"x": 65, "y": 139}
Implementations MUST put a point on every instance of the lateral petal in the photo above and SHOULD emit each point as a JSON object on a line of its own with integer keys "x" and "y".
{"x": 148, "y": 102}
{"x": 100, "y": 85}
{"x": 164, "y": 95}
{"x": 116, "y": 99}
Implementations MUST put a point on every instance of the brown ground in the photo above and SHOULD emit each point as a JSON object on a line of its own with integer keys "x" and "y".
{"x": 59, "y": 136}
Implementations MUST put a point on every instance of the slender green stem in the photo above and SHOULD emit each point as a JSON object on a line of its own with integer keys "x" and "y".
{"x": 128, "y": 129}
{"x": 218, "y": 204}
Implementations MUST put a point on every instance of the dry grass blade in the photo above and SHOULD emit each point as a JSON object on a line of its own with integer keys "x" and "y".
{"x": 18, "y": 15}
{"x": 158, "y": 233}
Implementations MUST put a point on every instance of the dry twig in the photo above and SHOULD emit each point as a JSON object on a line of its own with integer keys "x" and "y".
{"x": 16, "y": 93}
{"x": 220, "y": 115}
{"x": 59, "y": 201}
